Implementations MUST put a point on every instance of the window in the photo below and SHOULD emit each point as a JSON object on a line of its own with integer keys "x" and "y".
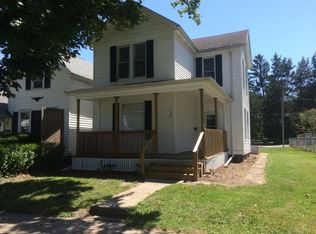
{"x": 25, "y": 122}
{"x": 123, "y": 62}
{"x": 38, "y": 83}
{"x": 209, "y": 67}
{"x": 133, "y": 116}
{"x": 210, "y": 121}
{"x": 139, "y": 60}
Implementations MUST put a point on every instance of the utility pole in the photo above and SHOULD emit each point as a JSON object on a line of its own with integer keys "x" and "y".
{"x": 282, "y": 112}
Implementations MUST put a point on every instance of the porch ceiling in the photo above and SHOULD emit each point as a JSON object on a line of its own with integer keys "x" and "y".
{"x": 209, "y": 86}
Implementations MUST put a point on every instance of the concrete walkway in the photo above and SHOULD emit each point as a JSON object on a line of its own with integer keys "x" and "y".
{"x": 119, "y": 205}
{"x": 18, "y": 223}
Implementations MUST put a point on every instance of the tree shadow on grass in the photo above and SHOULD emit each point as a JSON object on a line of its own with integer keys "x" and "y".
{"x": 143, "y": 220}
{"x": 45, "y": 196}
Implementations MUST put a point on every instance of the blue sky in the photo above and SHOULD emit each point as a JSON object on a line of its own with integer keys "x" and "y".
{"x": 287, "y": 27}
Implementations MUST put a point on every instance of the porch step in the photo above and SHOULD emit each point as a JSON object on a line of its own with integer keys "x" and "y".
{"x": 168, "y": 175}
{"x": 172, "y": 171}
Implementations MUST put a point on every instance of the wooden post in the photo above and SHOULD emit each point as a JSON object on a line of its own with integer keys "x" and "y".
{"x": 78, "y": 126}
{"x": 195, "y": 166}
{"x": 202, "y": 108}
{"x": 142, "y": 164}
{"x": 116, "y": 126}
{"x": 156, "y": 123}
{"x": 215, "y": 108}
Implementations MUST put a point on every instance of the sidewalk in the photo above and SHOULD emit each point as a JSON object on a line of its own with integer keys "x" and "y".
{"x": 119, "y": 205}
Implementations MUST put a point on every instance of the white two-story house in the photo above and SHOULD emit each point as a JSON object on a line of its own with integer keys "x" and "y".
{"x": 42, "y": 109}
{"x": 164, "y": 99}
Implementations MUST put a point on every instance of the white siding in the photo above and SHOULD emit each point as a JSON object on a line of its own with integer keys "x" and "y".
{"x": 152, "y": 29}
{"x": 86, "y": 114}
{"x": 233, "y": 117}
{"x": 184, "y": 59}
{"x": 186, "y": 121}
{"x": 53, "y": 97}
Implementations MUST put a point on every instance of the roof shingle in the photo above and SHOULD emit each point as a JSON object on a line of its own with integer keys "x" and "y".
{"x": 221, "y": 41}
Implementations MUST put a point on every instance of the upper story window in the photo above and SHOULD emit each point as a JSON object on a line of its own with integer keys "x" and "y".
{"x": 209, "y": 67}
{"x": 132, "y": 61}
{"x": 123, "y": 62}
{"x": 140, "y": 60}
{"x": 38, "y": 83}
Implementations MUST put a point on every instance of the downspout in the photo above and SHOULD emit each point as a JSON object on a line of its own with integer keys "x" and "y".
{"x": 232, "y": 95}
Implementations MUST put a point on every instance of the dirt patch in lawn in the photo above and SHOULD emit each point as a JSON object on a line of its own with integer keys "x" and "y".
{"x": 249, "y": 172}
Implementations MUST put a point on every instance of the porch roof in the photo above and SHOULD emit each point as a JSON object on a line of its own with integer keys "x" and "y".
{"x": 209, "y": 86}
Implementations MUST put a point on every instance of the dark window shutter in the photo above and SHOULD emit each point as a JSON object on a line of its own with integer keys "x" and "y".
{"x": 150, "y": 58}
{"x": 15, "y": 122}
{"x": 36, "y": 118}
{"x": 113, "y": 115}
{"x": 148, "y": 115}
{"x": 113, "y": 66}
{"x": 28, "y": 83}
{"x": 219, "y": 69}
{"x": 47, "y": 80}
{"x": 198, "y": 64}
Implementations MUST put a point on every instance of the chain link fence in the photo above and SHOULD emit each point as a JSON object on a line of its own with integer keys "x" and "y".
{"x": 307, "y": 143}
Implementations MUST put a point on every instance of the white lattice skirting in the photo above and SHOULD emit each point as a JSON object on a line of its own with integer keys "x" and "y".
{"x": 119, "y": 164}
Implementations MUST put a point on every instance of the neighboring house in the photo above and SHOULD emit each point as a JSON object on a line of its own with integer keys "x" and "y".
{"x": 156, "y": 91}
{"x": 5, "y": 117}
{"x": 43, "y": 109}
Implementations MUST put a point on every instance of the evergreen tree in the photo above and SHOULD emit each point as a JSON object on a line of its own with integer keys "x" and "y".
{"x": 258, "y": 76}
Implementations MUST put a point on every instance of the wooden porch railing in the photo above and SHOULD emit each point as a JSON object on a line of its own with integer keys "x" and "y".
{"x": 115, "y": 143}
{"x": 209, "y": 143}
{"x": 147, "y": 146}
{"x": 215, "y": 141}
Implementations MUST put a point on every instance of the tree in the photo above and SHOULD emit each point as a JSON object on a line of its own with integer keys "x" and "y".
{"x": 258, "y": 76}
{"x": 307, "y": 121}
{"x": 279, "y": 82}
{"x": 38, "y": 36}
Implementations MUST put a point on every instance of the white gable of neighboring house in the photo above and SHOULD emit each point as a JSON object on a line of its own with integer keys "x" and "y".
{"x": 77, "y": 73}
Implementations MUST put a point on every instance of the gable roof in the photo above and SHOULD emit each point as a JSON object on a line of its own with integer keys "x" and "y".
{"x": 80, "y": 67}
{"x": 209, "y": 43}
{"x": 222, "y": 41}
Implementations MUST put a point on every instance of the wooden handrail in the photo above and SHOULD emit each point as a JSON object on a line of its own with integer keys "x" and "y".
{"x": 142, "y": 155}
{"x": 198, "y": 142}
{"x": 195, "y": 156}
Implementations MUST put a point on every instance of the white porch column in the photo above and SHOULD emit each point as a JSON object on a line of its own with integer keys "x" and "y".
{"x": 202, "y": 109}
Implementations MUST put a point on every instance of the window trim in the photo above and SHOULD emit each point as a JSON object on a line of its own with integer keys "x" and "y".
{"x": 209, "y": 57}
{"x": 19, "y": 120}
{"x": 118, "y": 62}
{"x": 134, "y": 60}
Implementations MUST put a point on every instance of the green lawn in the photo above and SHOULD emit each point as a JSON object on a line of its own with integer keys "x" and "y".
{"x": 286, "y": 204}
{"x": 56, "y": 196}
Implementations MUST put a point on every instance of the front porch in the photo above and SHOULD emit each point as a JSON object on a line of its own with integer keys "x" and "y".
{"x": 172, "y": 124}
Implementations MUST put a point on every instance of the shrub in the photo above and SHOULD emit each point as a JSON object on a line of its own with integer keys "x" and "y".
{"x": 51, "y": 156}
{"x": 17, "y": 158}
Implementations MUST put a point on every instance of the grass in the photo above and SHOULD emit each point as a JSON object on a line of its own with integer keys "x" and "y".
{"x": 56, "y": 196}
{"x": 286, "y": 204}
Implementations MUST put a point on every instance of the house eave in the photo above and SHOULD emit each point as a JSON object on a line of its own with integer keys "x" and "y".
{"x": 168, "y": 86}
